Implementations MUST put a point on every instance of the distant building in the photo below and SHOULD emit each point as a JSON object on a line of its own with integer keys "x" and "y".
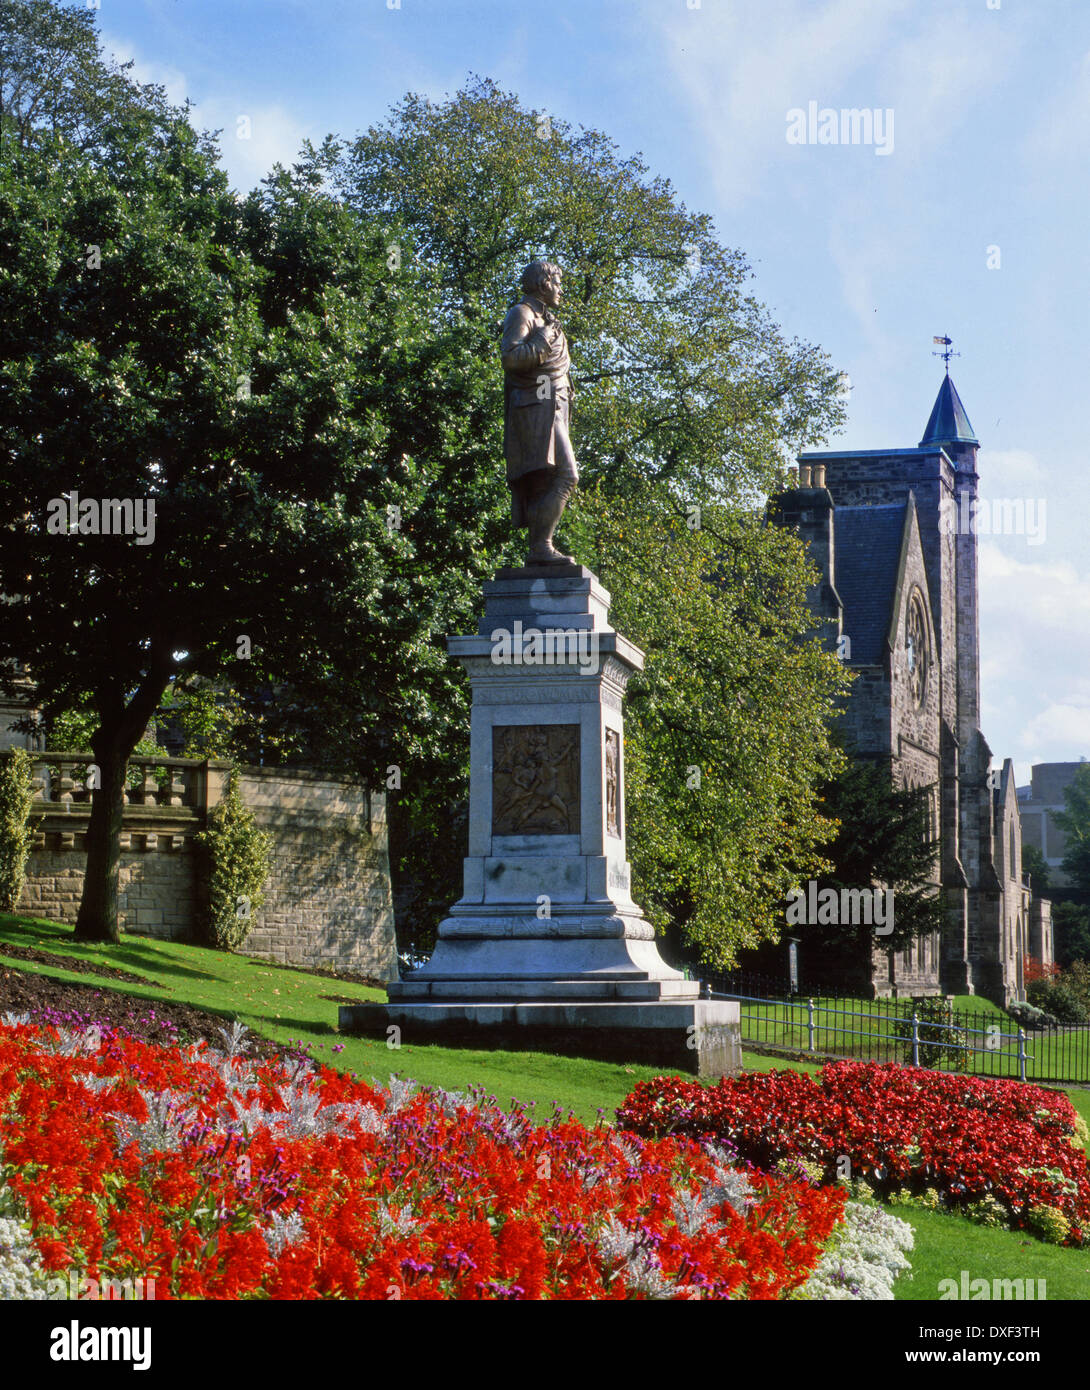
{"x": 1037, "y": 806}
{"x": 899, "y": 582}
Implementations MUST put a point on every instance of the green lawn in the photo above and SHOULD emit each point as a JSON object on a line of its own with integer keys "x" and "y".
{"x": 289, "y": 1005}
{"x": 947, "y": 1244}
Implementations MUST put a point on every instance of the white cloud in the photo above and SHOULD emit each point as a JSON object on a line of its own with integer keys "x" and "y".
{"x": 272, "y": 135}
{"x": 741, "y": 77}
{"x": 275, "y": 135}
{"x": 1060, "y": 135}
{"x": 1010, "y": 473}
{"x": 1035, "y": 680}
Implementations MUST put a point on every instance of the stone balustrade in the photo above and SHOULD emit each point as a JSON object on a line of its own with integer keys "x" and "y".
{"x": 65, "y": 779}
{"x": 328, "y": 901}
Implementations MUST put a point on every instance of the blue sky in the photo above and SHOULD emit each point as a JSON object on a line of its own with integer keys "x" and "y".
{"x": 973, "y": 223}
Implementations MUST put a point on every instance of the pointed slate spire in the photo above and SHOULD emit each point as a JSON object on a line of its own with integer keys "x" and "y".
{"x": 949, "y": 423}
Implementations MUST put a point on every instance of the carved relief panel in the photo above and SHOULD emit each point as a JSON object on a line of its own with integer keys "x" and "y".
{"x": 535, "y": 779}
{"x": 613, "y": 783}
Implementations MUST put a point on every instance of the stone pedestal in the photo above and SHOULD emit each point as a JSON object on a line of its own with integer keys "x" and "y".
{"x": 546, "y": 949}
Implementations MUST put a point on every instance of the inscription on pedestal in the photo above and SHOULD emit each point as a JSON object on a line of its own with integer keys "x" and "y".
{"x": 535, "y": 779}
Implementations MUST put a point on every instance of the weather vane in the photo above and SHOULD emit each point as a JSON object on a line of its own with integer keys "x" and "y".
{"x": 946, "y": 353}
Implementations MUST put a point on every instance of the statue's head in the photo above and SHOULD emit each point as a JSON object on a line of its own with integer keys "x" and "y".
{"x": 542, "y": 280}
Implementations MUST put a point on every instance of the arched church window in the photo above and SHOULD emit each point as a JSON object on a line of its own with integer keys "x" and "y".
{"x": 916, "y": 648}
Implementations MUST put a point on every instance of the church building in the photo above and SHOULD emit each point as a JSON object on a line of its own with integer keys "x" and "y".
{"x": 892, "y": 535}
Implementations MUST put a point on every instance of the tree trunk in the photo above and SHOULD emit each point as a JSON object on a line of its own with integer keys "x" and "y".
{"x": 97, "y": 919}
{"x": 120, "y": 730}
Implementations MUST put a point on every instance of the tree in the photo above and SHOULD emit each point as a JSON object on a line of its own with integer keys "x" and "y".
{"x": 885, "y": 840}
{"x": 681, "y": 374}
{"x": 1070, "y": 932}
{"x": 1074, "y": 821}
{"x": 54, "y": 78}
{"x": 1035, "y": 867}
{"x": 16, "y": 802}
{"x": 237, "y": 859}
{"x": 253, "y": 370}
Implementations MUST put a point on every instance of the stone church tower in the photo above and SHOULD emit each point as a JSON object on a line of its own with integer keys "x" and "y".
{"x": 891, "y": 532}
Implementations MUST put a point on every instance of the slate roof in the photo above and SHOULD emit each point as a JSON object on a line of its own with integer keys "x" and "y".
{"x": 867, "y": 548}
{"x": 949, "y": 423}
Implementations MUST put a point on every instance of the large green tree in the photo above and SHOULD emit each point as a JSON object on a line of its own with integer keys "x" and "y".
{"x": 55, "y": 79}
{"x": 689, "y": 396}
{"x": 1074, "y": 821}
{"x": 253, "y": 368}
{"x": 727, "y": 728}
{"x": 681, "y": 373}
{"x": 1071, "y": 905}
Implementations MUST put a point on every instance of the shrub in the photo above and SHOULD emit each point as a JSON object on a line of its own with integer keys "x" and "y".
{"x": 938, "y": 1039}
{"x": 901, "y": 1130}
{"x": 1048, "y": 1224}
{"x": 1029, "y": 1016}
{"x": 1035, "y": 969}
{"x": 1061, "y": 997}
{"x": 236, "y": 864}
{"x": 16, "y": 799}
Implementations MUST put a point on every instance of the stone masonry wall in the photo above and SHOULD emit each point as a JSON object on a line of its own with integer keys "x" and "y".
{"x": 328, "y": 899}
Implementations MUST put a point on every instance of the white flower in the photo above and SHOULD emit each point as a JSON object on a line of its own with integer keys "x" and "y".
{"x": 863, "y": 1258}
{"x": 22, "y": 1277}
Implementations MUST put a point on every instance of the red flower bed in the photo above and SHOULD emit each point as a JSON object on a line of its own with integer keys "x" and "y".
{"x": 221, "y": 1177}
{"x": 901, "y": 1128}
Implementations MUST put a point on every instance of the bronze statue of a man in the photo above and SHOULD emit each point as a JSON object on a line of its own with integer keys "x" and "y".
{"x": 541, "y": 467}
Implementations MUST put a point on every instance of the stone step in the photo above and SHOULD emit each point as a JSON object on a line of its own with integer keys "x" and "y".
{"x": 539, "y": 989}
{"x": 698, "y": 1036}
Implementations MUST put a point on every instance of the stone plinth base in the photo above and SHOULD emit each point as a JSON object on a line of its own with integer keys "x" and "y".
{"x": 699, "y": 1036}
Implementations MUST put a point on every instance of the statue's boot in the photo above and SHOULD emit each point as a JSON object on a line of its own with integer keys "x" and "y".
{"x": 543, "y": 517}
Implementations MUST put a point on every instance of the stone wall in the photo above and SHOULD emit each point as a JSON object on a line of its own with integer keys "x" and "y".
{"x": 328, "y": 902}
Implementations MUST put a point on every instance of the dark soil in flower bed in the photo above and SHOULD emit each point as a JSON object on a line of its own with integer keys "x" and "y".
{"x": 160, "y": 1021}
{"x": 82, "y": 967}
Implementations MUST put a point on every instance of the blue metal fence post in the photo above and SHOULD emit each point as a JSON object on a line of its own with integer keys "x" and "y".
{"x": 1022, "y": 1054}
{"x": 915, "y": 1038}
{"x": 810, "y": 1024}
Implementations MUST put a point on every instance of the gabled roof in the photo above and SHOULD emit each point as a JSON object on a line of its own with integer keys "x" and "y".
{"x": 910, "y": 531}
{"x": 949, "y": 424}
{"x": 867, "y": 546}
